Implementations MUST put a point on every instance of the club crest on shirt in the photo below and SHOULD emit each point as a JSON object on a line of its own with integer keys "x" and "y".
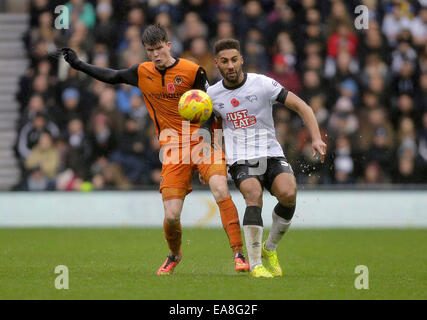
{"x": 178, "y": 80}
{"x": 252, "y": 98}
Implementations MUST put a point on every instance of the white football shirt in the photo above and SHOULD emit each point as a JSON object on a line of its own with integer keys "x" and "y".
{"x": 247, "y": 117}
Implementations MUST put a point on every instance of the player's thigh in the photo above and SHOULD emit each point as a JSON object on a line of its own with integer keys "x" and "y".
{"x": 251, "y": 190}
{"x": 284, "y": 188}
{"x": 215, "y": 174}
{"x": 250, "y": 186}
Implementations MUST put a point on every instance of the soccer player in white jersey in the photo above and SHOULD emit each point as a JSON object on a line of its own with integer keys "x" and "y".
{"x": 243, "y": 101}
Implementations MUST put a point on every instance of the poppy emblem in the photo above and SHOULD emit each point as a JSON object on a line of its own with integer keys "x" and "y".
{"x": 170, "y": 88}
{"x": 235, "y": 102}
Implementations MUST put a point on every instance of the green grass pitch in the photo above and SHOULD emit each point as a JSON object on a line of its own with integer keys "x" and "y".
{"x": 122, "y": 263}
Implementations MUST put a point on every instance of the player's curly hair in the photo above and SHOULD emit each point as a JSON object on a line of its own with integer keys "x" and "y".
{"x": 154, "y": 34}
{"x": 225, "y": 44}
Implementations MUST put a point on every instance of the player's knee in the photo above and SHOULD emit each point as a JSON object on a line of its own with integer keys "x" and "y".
{"x": 172, "y": 215}
{"x": 288, "y": 196}
{"x": 253, "y": 197}
{"x": 220, "y": 191}
{"x": 171, "y": 219}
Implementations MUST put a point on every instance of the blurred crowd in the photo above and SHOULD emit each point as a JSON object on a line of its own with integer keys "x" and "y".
{"x": 367, "y": 88}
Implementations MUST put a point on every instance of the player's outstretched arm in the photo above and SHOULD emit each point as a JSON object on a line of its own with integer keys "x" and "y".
{"x": 129, "y": 76}
{"x": 298, "y": 105}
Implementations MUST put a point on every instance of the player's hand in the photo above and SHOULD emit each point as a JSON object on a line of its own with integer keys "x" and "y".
{"x": 202, "y": 181}
{"x": 319, "y": 147}
{"x": 70, "y": 56}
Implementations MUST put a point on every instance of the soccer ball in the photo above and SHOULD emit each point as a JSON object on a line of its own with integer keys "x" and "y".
{"x": 195, "y": 106}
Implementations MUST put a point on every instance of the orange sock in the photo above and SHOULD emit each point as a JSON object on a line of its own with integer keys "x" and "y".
{"x": 173, "y": 236}
{"x": 231, "y": 224}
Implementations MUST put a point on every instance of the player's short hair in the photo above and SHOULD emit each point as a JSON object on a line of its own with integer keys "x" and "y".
{"x": 154, "y": 34}
{"x": 225, "y": 44}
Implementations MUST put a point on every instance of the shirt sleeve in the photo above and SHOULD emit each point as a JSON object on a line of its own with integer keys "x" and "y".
{"x": 129, "y": 76}
{"x": 201, "y": 81}
{"x": 274, "y": 91}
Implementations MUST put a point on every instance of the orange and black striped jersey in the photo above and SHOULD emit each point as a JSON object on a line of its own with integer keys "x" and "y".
{"x": 162, "y": 90}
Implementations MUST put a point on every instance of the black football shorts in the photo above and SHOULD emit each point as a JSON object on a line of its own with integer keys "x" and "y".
{"x": 265, "y": 170}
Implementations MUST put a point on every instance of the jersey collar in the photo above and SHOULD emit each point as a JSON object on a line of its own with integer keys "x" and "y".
{"x": 238, "y": 86}
{"x": 171, "y": 66}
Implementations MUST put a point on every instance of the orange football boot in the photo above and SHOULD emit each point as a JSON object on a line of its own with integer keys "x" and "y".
{"x": 168, "y": 267}
{"x": 240, "y": 263}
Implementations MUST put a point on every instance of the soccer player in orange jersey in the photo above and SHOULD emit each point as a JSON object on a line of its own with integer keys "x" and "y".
{"x": 162, "y": 81}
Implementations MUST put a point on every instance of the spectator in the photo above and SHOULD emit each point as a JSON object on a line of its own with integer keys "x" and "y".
{"x": 138, "y": 110}
{"x": 312, "y": 85}
{"x": 130, "y": 152}
{"x": 252, "y": 17}
{"x": 102, "y": 138}
{"x": 343, "y": 39}
{"x": 373, "y": 174}
{"x": 343, "y": 121}
{"x": 44, "y": 156}
{"x": 374, "y": 42}
{"x": 107, "y": 106}
{"x": 37, "y": 181}
{"x": 105, "y": 30}
{"x": 78, "y": 151}
{"x": 81, "y": 10}
{"x": 317, "y": 103}
{"x": 164, "y": 20}
{"x": 380, "y": 152}
{"x": 343, "y": 161}
{"x": 199, "y": 53}
{"x": 282, "y": 19}
{"x": 165, "y": 6}
{"x": 35, "y": 105}
{"x": 421, "y": 94}
{"x": 224, "y": 30}
{"x": 123, "y": 97}
{"x": 286, "y": 47}
{"x": 405, "y": 107}
{"x": 370, "y": 121}
{"x": 70, "y": 108}
{"x": 152, "y": 158}
{"x": 374, "y": 66}
{"x": 422, "y": 144}
{"x": 284, "y": 74}
{"x": 419, "y": 27}
{"x": 37, "y": 7}
{"x": 255, "y": 56}
{"x": 403, "y": 52}
{"x": 30, "y": 133}
{"x": 406, "y": 171}
{"x": 191, "y": 28}
{"x": 406, "y": 138}
{"x": 394, "y": 23}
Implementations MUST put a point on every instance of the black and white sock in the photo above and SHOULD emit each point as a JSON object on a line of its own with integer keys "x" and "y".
{"x": 253, "y": 228}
